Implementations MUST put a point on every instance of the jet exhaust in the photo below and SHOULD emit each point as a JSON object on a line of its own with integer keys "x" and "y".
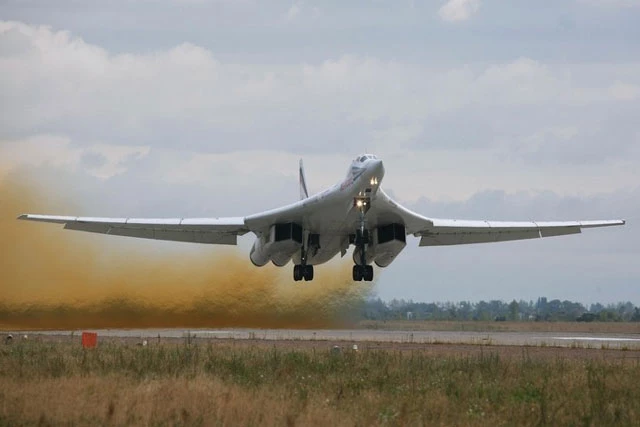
{"x": 55, "y": 279}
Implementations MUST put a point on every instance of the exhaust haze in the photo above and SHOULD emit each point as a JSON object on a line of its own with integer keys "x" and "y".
{"x": 52, "y": 278}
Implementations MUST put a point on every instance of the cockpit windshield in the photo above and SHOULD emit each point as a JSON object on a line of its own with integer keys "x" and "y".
{"x": 365, "y": 158}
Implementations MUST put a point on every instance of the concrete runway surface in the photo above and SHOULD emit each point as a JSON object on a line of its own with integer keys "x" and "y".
{"x": 554, "y": 339}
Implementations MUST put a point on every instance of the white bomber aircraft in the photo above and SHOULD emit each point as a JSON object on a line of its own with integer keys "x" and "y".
{"x": 356, "y": 211}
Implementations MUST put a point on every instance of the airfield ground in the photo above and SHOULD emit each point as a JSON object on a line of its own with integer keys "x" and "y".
{"x": 191, "y": 378}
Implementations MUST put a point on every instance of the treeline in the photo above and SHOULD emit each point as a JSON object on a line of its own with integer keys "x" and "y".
{"x": 540, "y": 310}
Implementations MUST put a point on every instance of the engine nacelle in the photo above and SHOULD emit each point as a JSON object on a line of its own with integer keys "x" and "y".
{"x": 390, "y": 241}
{"x": 280, "y": 259}
{"x": 278, "y": 246}
{"x": 387, "y": 242}
{"x": 259, "y": 256}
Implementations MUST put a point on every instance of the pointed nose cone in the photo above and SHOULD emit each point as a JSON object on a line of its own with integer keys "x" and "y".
{"x": 378, "y": 168}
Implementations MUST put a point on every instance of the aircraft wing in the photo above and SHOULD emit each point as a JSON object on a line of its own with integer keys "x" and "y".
{"x": 457, "y": 232}
{"x": 440, "y": 232}
{"x": 221, "y": 231}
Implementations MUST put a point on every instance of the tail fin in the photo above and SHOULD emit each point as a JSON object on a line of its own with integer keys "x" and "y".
{"x": 304, "y": 193}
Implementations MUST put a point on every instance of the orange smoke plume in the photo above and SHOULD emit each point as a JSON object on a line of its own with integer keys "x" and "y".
{"x": 56, "y": 279}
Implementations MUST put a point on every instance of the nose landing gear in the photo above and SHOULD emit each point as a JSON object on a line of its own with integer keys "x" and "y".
{"x": 362, "y": 271}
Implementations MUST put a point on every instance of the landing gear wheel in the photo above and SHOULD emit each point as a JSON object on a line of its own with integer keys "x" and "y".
{"x": 308, "y": 272}
{"x": 302, "y": 272}
{"x": 357, "y": 273}
{"x": 367, "y": 273}
{"x": 362, "y": 272}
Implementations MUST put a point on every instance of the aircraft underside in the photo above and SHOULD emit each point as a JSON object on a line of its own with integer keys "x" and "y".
{"x": 291, "y": 242}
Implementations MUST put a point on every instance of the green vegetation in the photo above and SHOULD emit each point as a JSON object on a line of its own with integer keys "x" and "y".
{"x": 540, "y": 310}
{"x": 241, "y": 384}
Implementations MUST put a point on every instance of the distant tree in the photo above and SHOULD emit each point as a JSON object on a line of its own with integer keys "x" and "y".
{"x": 541, "y": 305}
{"x": 608, "y": 315}
{"x": 587, "y": 317}
{"x": 375, "y": 309}
{"x": 626, "y": 310}
{"x": 514, "y": 309}
{"x": 483, "y": 311}
{"x": 542, "y": 309}
{"x": 465, "y": 309}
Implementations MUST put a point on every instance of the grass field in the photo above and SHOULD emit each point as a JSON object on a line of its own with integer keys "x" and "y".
{"x": 223, "y": 383}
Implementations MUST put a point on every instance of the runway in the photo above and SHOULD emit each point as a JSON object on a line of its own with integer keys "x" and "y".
{"x": 540, "y": 339}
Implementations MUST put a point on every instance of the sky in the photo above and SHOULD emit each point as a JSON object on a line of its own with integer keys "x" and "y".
{"x": 479, "y": 109}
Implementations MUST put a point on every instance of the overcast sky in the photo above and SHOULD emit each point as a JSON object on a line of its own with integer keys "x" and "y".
{"x": 481, "y": 109}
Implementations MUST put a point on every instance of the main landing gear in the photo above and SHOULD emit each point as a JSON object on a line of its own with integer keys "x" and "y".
{"x": 362, "y": 272}
{"x": 302, "y": 271}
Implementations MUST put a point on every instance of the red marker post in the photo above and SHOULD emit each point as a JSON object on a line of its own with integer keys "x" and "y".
{"x": 89, "y": 339}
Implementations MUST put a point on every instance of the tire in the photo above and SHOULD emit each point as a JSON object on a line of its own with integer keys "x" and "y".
{"x": 368, "y": 273}
{"x": 308, "y": 272}
{"x": 357, "y": 273}
{"x": 297, "y": 272}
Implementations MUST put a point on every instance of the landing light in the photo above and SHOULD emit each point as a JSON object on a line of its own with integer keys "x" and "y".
{"x": 374, "y": 181}
{"x": 359, "y": 203}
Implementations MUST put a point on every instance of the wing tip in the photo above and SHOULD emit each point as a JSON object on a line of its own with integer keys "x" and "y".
{"x": 23, "y": 216}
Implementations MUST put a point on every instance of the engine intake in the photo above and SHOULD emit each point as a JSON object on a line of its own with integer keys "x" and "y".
{"x": 390, "y": 241}
{"x": 278, "y": 246}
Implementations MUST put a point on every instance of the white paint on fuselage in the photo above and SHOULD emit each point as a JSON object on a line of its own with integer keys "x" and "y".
{"x": 339, "y": 214}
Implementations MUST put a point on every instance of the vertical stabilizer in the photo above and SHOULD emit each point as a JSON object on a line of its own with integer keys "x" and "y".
{"x": 304, "y": 193}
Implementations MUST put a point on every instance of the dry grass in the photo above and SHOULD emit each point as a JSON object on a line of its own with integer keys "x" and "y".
{"x": 482, "y": 326}
{"x": 224, "y": 384}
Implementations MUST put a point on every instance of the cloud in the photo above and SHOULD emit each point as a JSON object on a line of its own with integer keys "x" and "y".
{"x": 98, "y": 160}
{"x": 183, "y": 96}
{"x": 624, "y": 91}
{"x": 36, "y": 151}
{"x": 458, "y": 10}
{"x": 105, "y": 161}
{"x": 182, "y": 116}
{"x": 93, "y": 160}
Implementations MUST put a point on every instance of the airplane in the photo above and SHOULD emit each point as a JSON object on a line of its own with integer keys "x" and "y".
{"x": 313, "y": 230}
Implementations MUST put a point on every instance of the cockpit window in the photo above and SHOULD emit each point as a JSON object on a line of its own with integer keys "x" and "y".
{"x": 366, "y": 157}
